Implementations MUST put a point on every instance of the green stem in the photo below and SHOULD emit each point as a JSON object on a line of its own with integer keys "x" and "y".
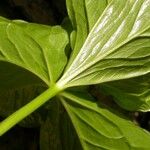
{"x": 23, "y": 112}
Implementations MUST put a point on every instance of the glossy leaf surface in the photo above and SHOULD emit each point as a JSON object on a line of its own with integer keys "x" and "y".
{"x": 83, "y": 15}
{"x": 118, "y": 46}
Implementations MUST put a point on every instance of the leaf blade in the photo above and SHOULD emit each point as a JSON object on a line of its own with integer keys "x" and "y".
{"x": 34, "y": 47}
{"x": 83, "y": 15}
{"x": 111, "y": 38}
{"x": 99, "y": 128}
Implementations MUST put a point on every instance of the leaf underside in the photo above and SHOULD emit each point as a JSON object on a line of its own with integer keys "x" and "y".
{"x": 34, "y": 47}
{"x": 83, "y": 15}
{"x": 99, "y": 128}
{"x": 117, "y": 47}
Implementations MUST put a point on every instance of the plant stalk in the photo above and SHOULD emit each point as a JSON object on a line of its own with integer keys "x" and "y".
{"x": 26, "y": 110}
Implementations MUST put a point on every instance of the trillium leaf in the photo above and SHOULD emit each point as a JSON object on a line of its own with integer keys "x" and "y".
{"x": 131, "y": 94}
{"x": 83, "y": 15}
{"x": 118, "y": 46}
{"x": 34, "y": 47}
{"x": 99, "y": 128}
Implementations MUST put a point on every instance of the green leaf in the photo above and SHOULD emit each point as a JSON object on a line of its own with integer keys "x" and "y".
{"x": 130, "y": 94}
{"x": 100, "y": 128}
{"x": 27, "y": 50}
{"x": 83, "y": 15}
{"x": 34, "y": 47}
{"x": 118, "y": 46}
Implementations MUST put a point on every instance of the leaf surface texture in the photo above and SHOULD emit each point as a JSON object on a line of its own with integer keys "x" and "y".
{"x": 117, "y": 47}
{"x": 100, "y": 128}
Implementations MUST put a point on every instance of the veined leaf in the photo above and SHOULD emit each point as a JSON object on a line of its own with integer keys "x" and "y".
{"x": 118, "y": 46}
{"x": 131, "y": 94}
{"x": 83, "y": 15}
{"x": 34, "y": 47}
{"x": 99, "y": 128}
